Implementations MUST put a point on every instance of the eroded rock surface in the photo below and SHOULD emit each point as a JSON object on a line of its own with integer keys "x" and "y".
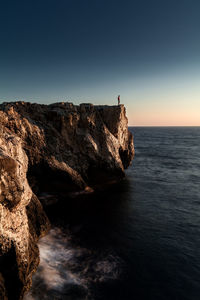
{"x": 58, "y": 148}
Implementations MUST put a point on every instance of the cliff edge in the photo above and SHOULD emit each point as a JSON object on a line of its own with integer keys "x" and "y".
{"x": 59, "y": 149}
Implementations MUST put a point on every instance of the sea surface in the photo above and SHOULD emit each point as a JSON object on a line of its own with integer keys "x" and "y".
{"x": 138, "y": 240}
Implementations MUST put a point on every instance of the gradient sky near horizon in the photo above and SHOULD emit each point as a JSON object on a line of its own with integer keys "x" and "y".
{"x": 148, "y": 51}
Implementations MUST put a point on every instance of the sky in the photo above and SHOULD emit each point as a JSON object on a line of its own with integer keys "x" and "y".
{"x": 148, "y": 51}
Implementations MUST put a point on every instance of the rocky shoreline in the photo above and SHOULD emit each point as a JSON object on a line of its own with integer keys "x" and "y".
{"x": 57, "y": 149}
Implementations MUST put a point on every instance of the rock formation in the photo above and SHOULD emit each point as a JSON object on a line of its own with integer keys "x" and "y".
{"x": 57, "y": 148}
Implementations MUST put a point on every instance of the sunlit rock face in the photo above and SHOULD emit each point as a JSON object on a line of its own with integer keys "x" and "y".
{"x": 58, "y": 149}
{"x": 18, "y": 232}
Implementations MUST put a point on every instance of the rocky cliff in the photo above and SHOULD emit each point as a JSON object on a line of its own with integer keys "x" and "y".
{"x": 58, "y": 149}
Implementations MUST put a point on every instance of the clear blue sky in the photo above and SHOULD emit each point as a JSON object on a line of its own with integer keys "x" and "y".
{"x": 92, "y": 50}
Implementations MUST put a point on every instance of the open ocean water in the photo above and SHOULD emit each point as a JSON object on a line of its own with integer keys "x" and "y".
{"x": 139, "y": 240}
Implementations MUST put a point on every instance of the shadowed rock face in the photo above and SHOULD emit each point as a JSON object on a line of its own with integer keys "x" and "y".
{"x": 59, "y": 149}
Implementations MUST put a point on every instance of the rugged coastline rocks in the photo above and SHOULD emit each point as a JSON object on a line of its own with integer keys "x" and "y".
{"x": 57, "y": 148}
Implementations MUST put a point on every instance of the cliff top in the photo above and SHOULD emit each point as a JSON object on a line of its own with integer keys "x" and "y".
{"x": 60, "y": 104}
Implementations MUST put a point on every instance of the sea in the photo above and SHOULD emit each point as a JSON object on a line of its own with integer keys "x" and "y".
{"x": 136, "y": 240}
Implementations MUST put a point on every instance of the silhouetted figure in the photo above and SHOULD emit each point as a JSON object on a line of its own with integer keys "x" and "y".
{"x": 118, "y": 98}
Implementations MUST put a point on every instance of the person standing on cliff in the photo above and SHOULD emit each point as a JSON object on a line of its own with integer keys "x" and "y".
{"x": 118, "y": 98}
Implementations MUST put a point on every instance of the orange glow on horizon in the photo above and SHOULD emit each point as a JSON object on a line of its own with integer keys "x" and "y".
{"x": 165, "y": 117}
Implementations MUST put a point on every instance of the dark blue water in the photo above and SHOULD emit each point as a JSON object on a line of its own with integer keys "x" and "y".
{"x": 138, "y": 240}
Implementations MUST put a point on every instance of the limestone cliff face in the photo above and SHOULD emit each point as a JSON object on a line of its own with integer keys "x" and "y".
{"x": 58, "y": 148}
{"x": 19, "y": 232}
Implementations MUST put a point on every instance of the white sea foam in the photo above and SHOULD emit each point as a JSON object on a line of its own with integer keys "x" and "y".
{"x": 64, "y": 267}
